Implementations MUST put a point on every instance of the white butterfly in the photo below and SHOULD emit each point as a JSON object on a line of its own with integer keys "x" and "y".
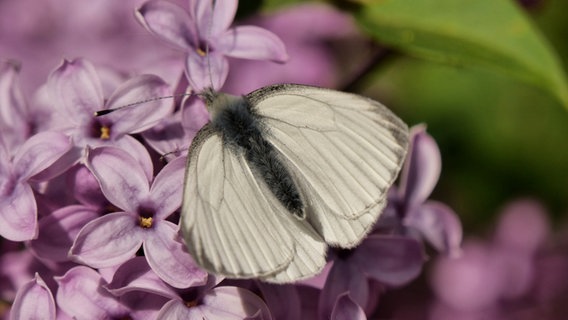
{"x": 283, "y": 172}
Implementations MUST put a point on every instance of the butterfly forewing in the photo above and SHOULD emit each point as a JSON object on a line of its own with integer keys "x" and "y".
{"x": 229, "y": 220}
{"x": 344, "y": 151}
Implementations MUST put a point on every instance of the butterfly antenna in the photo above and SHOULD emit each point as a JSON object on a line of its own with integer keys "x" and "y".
{"x": 107, "y": 111}
{"x": 207, "y": 49}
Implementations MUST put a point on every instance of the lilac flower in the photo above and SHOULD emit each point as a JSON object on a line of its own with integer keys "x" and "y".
{"x": 435, "y": 221}
{"x": 82, "y": 294}
{"x": 312, "y": 60}
{"x": 114, "y": 238}
{"x": 206, "y": 301}
{"x": 58, "y": 230}
{"x": 488, "y": 273}
{"x": 388, "y": 259}
{"x": 205, "y": 36}
{"x": 346, "y": 309}
{"x": 33, "y": 301}
{"x": 77, "y": 92}
{"x": 14, "y": 128}
{"x": 18, "y": 210}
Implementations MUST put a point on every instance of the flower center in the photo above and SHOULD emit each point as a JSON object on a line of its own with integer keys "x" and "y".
{"x": 100, "y": 130}
{"x": 105, "y": 133}
{"x": 191, "y": 303}
{"x": 145, "y": 222}
{"x": 145, "y": 217}
{"x": 203, "y": 48}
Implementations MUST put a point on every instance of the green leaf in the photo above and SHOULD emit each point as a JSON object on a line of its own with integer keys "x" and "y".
{"x": 494, "y": 34}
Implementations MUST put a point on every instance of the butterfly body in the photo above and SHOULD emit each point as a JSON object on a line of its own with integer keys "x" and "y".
{"x": 283, "y": 172}
{"x": 242, "y": 130}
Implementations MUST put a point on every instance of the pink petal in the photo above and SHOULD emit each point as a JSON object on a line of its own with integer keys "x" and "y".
{"x": 212, "y": 21}
{"x": 76, "y": 90}
{"x": 422, "y": 168}
{"x": 85, "y": 187}
{"x": 176, "y": 309}
{"x": 58, "y": 230}
{"x": 232, "y": 303}
{"x": 473, "y": 281}
{"x": 145, "y": 114}
{"x": 13, "y": 109}
{"x": 82, "y": 295}
{"x": 137, "y": 150}
{"x": 391, "y": 260}
{"x": 108, "y": 241}
{"x": 523, "y": 226}
{"x": 33, "y": 301}
{"x": 169, "y": 22}
{"x": 165, "y": 192}
{"x": 347, "y": 309}
{"x": 274, "y": 295}
{"x": 167, "y": 256}
{"x": 39, "y": 152}
{"x": 343, "y": 277}
{"x": 206, "y": 71}
{"x": 194, "y": 115}
{"x": 168, "y": 137}
{"x": 250, "y": 42}
{"x": 18, "y": 214}
{"x": 438, "y": 224}
{"x": 136, "y": 275}
{"x": 122, "y": 180}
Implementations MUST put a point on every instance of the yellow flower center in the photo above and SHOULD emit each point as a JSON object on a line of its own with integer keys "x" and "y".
{"x": 201, "y": 52}
{"x": 145, "y": 222}
{"x": 105, "y": 133}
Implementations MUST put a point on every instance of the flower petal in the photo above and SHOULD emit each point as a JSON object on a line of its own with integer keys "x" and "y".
{"x": 206, "y": 71}
{"x": 170, "y": 22}
{"x": 176, "y": 309}
{"x": 165, "y": 191}
{"x": 167, "y": 256}
{"x": 76, "y": 90}
{"x": 347, "y": 309}
{"x": 169, "y": 137}
{"x": 142, "y": 90}
{"x": 439, "y": 225}
{"x": 233, "y": 303}
{"x": 122, "y": 180}
{"x": 58, "y": 230}
{"x": 212, "y": 21}
{"x": 39, "y": 152}
{"x": 82, "y": 295}
{"x": 85, "y": 187}
{"x": 18, "y": 214}
{"x": 137, "y": 150}
{"x": 33, "y": 301}
{"x": 523, "y": 226}
{"x": 274, "y": 295}
{"x": 136, "y": 275}
{"x": 107, "y": 241}
{"x": 392, "y": 260}
{"x": 421, "y": 169}
{"x": 343, "y": 277}
{"x": 250, "y": 42}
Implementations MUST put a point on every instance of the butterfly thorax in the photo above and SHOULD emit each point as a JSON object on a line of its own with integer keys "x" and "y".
{"x": 243, "y": 130}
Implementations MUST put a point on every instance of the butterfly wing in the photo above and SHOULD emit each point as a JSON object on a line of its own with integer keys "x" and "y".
{"x": 234, "y": 226}
{"x": 343, "y": 150}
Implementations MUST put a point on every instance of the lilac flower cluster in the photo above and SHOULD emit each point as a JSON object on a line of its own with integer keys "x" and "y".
{"x": 89, "y": 210}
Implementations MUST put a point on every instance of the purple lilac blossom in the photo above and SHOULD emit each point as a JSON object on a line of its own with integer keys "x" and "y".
{"x": 205, "y": 35}
{"x": 114, "y": 238}
{"x": 100, "y": 199}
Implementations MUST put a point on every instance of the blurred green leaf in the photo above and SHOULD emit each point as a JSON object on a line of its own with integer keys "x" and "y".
{"x": 494, "y": 34}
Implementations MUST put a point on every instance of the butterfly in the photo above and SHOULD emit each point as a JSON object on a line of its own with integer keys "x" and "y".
{"x": 282, "y": 173}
